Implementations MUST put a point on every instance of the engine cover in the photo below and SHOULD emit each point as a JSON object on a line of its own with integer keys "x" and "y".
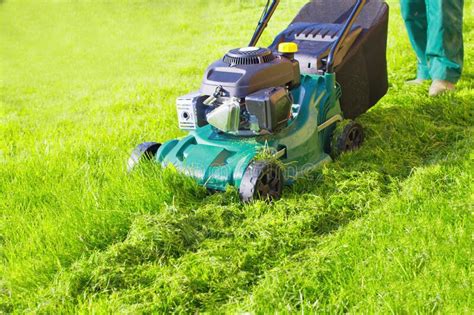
{"x": 244, "y": 71}
{"x": 271, "y": 107}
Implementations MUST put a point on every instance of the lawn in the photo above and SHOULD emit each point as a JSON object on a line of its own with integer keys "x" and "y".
{"x": 386, "y": 229}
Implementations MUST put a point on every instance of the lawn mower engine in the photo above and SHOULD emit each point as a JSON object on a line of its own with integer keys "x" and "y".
{"x": 246, "y": 93}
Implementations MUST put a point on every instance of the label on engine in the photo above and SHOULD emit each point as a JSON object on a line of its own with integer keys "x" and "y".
{"x": 186, "y": 114}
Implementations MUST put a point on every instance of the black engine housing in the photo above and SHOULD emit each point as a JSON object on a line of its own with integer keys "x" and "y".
{"x": 244, "y": 71}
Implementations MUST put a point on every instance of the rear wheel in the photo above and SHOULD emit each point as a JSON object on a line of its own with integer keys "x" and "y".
{"x": 144, "y": 151}
{"x": 350, "y": 139}
{"x": 263, "y": 180}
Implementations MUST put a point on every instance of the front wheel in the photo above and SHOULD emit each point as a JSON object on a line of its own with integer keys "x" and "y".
{"x": 263, "y": 180}
{"x": 144, "y": 151}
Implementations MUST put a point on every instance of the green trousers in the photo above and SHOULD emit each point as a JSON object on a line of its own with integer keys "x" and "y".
{"x": 435, "y": 31}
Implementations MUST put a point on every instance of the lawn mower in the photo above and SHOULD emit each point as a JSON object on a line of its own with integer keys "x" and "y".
{"x": 259, "y": 109}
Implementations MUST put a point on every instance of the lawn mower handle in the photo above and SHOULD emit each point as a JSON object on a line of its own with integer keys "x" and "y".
{"x": 262, "y": 24}
{"x": 343, "y": 33}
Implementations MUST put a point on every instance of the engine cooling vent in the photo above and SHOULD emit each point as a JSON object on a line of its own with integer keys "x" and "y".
{"x": 248, "y": 56}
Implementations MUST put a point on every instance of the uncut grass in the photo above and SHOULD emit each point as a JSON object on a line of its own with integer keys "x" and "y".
{"x": 378, "y": 230}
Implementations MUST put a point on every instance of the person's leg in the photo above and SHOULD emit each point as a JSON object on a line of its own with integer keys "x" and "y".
{"x": 444, "y": 48}
{"x": 415, "y": 16}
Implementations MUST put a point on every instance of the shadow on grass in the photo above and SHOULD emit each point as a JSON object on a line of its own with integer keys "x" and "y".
{"x": 399, "y": 139}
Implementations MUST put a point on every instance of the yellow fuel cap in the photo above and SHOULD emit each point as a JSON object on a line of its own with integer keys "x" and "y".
{"x": 288, "y": 48}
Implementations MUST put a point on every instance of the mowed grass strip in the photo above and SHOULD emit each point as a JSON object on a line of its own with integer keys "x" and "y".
{"x": 384, "y": 229}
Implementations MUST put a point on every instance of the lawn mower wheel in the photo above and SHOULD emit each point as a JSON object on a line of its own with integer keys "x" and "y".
{"x": 144, "y": 151}
{"x": 263, "y": 180}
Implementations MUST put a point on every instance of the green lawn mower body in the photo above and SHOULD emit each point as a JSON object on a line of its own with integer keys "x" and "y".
{"x": 219, "y": 159}
{"x": 261, "y": 108}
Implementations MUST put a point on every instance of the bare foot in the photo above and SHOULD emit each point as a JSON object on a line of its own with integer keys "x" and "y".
{"x": 416, "y": 81}
{"x": 439, "y": 87}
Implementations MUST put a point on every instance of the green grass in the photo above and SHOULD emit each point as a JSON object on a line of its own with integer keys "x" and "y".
{"x": 387, "y": 229}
